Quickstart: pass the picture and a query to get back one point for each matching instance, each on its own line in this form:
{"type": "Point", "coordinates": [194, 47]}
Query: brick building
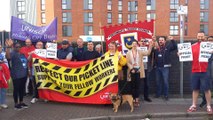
{"type": "Point", "coordinates": [84, 17]}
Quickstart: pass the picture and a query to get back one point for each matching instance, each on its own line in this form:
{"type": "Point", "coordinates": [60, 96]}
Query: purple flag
{"type": "Point", "coordinates": [22, 30]}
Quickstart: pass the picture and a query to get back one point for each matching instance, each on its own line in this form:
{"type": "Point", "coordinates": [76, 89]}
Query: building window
{"type": "Point", "coordinates": [42, 5]}
{"type": "Point", "coordinates": [174, 30]}
{"type": "Point", "coordinates": [150, 16]}
{"type": "Point", "coordinates": [120, 4]}
{"type": "Point", "coordinates": [120, 18]}
{"type": "Point", "coordinates": [150, 4]}
{"type": "Point", "coordinates": [88, 30]}
{"type": "Point", "coordinates": [43, 18]}
{"type": "Point", "coordinates": [174, 4]}
{"type": "Point", "coordinates": [88, 5]}
{"type": "Point", "coordinates": [204, 28]}
{"type": "Point", "coordinates": [20, 6]}
{"type": "Point", "coordinates": [67, 30]}
{"type": "Point", "coordinates": [133, 6]}
{"type": "Point", "coordinates": [66, 4]}
{"type": "Point", "coordinates": [21, 16]}
{"type": "Point", "coordinates": [204, 4]}
{"type": "Point", "coordinates": [132, 17]}
{"type": "Point", "coordinates": [173, 17]}
{"type": "Point", "coordinates": [88, 17]}
{"type": "Point", "coordinates": [109, 18]}
{"type": "Point", "coordinates": [109, 5]}
{"type": "Point", "coordinates": [204, 16]}
{"type": "Point", "coordinates": [186, 2]}
{"type": "Point", "coordinates": [66, 17]}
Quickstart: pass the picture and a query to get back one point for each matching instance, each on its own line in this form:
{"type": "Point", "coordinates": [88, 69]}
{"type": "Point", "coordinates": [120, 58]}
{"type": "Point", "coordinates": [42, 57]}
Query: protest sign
{"type": "Point", "coordinates": [205, 51]}
{"type": "Point", "coordinates": [51, 50]}
{"type": "Point", "coordinates": [185, 52]}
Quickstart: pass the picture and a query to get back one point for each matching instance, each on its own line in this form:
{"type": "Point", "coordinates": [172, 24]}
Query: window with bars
{"type": "Point", "coordinates": [43, 5]}
{"type": "Point", "coordinates": [109, 5]}
{"type": "Point", "coordinates": [66, 17]}
{"type": "Point", "coordinates": [109, 18]}
{"type": "Point", "coordinates": [88, 4]}
{"type": "Point", "coordinates": [133, 6]}
{"type": "Point", "coordinates": [173, 17]}
{"type": "Point", "coordinates": [88, 30]}
{"type": "Point", "coordinates": [132, 17]}
{"type": "Point", "coordinates": [150, 4]}
{"type": "Point", "coordinates": [43, 18]}
{"type": "Point", "coordinates": [88, 17]}
{"type": "Point", "coordinates": [204, 28]}
{"type": "Point", "coordinates": [21, 16]}
{"type": "Point", "coordinates": [67, 30]}
{"type": "Point", "coordinates": [174, 4]}
{"type": "Point", "coordinates": [66, 4]}
{"type": "Point", "coordinates": [174, 29]}
{"type": "Point", "coordinates": [204, 16]}
{"type": "Point", "coordinates": [120, 4]}
{"type": "Point", "coordinates": [120, 17]}
{"type": "Point", "coordinates": [204, 4]}
{"type": "Point", "coordinates": [21, 6]}
{"type": "Point", "coordinates": [150, 16]}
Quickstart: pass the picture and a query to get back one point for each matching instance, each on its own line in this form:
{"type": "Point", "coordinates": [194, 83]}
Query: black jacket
{"type": "Point", "coordinates": [162, 55]}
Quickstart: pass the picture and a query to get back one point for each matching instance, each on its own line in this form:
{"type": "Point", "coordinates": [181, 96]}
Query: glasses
{"type": "Point", "coordinates": [17, 46]}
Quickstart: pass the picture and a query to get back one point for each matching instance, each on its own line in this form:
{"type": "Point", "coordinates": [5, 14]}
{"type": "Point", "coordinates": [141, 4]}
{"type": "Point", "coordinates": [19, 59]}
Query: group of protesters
{"type": "Point", "coordinates": [131, 68]}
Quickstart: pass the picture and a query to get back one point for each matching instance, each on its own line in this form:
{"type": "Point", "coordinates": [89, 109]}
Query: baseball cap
{"type": "Point", "coordinates": [65, 42]}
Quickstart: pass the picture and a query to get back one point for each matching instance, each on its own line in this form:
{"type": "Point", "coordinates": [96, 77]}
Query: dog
{"type": "Point", "coordinates": [117, 100]}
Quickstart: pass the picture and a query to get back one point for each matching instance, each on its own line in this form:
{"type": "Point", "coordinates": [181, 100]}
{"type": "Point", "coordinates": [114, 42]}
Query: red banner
{"type": "Point", "coordinates": [142, 29]}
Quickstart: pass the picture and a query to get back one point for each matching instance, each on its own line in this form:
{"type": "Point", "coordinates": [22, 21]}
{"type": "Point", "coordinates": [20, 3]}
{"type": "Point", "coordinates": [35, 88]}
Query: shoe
{"type": "Point", "coordinates": [148, 99]}
{"type": "Point", "coordinates": [18, 107]}
{"type": "Point", "coordinates": [202, 104]}
{"type": "Point", "coordinates": [46, 100]}
{"type": "Point", "coordinates": [23, 105]}
{"type": "Point", "coordinates": [34, 100]}
{"type": "Point", "coordinates": [166, 98]}
{"type": "Point", "coordinates": [209, 110]}
{"type": "Point", "coordinates": [4, 106]}
{"type": "Point", "coordinates": [192, 109]}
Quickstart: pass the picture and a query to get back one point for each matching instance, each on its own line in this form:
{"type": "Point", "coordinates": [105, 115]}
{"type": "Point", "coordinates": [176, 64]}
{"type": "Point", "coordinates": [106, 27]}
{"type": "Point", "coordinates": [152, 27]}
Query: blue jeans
{"type": "Point", "coordinates": [2, 95]}
{"type": "Point", "coordinates": [162, 79]}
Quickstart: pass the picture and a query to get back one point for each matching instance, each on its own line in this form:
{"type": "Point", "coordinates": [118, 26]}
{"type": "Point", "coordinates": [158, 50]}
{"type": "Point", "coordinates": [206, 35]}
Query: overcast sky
{"type": "Point", "coordinates": [5, 15]}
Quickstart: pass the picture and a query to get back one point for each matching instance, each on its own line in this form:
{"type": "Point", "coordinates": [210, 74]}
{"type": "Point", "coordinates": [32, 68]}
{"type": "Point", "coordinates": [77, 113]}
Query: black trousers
{"type": "Point", "coordinates": [35, 87]}
{"type": "Point", "coordinates": [19, 89]}
{"type": "Point", "coordinates": [135, 81]}
{"type": "Point", "coordinates": [146, 84]}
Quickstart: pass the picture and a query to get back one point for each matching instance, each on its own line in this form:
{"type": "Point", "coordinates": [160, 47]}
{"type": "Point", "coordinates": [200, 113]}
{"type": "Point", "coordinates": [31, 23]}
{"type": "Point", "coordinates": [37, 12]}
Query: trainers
{"type": "Point", "coordinates": [34, 100]}
{"type": "Point", "coordinates": [166, 98]}
{"type": "Point", "coordinates": [192, 109]}
{"type": "Point", "coordinates": [18, 107]}
{"type": "Point", "coordinates": [4, 106]}
{"type": "Point", "coordinates": [209, 110]}
{"type": "Point", "coordinates": [23, 105]}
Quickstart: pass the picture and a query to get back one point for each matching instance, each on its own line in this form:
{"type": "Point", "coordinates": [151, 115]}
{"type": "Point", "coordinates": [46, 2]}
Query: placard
{"type": "Point", "coordinates": [51, 50]}
{"type": "Point", "coordinates": [185, 52]}
{"type": "Point", "coordinates": [205, 51]}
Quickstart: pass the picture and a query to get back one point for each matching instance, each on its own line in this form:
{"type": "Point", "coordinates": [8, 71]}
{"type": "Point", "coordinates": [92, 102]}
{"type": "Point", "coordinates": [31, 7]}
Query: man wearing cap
{"type": "Point", "coordinates": [64, 53]}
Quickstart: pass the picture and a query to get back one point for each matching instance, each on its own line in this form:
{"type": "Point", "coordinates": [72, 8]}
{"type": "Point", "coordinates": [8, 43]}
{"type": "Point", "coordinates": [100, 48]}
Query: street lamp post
{"type": "Point", "coordinates": [182, 10]}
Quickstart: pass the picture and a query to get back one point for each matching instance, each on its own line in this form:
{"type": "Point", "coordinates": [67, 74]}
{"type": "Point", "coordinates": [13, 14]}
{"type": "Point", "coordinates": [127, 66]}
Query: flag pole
{"type": "Point", "coordinates": [101, 38]}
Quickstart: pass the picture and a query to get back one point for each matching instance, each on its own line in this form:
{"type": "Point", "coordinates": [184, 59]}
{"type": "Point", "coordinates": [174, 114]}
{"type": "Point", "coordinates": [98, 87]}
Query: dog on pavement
{"type": "Point", "coordinates": [117, 100]}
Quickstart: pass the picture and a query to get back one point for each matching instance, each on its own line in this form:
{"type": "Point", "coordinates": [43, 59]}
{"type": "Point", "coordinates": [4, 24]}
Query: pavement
{"type": "Point", "coordinates": [159, 109]}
